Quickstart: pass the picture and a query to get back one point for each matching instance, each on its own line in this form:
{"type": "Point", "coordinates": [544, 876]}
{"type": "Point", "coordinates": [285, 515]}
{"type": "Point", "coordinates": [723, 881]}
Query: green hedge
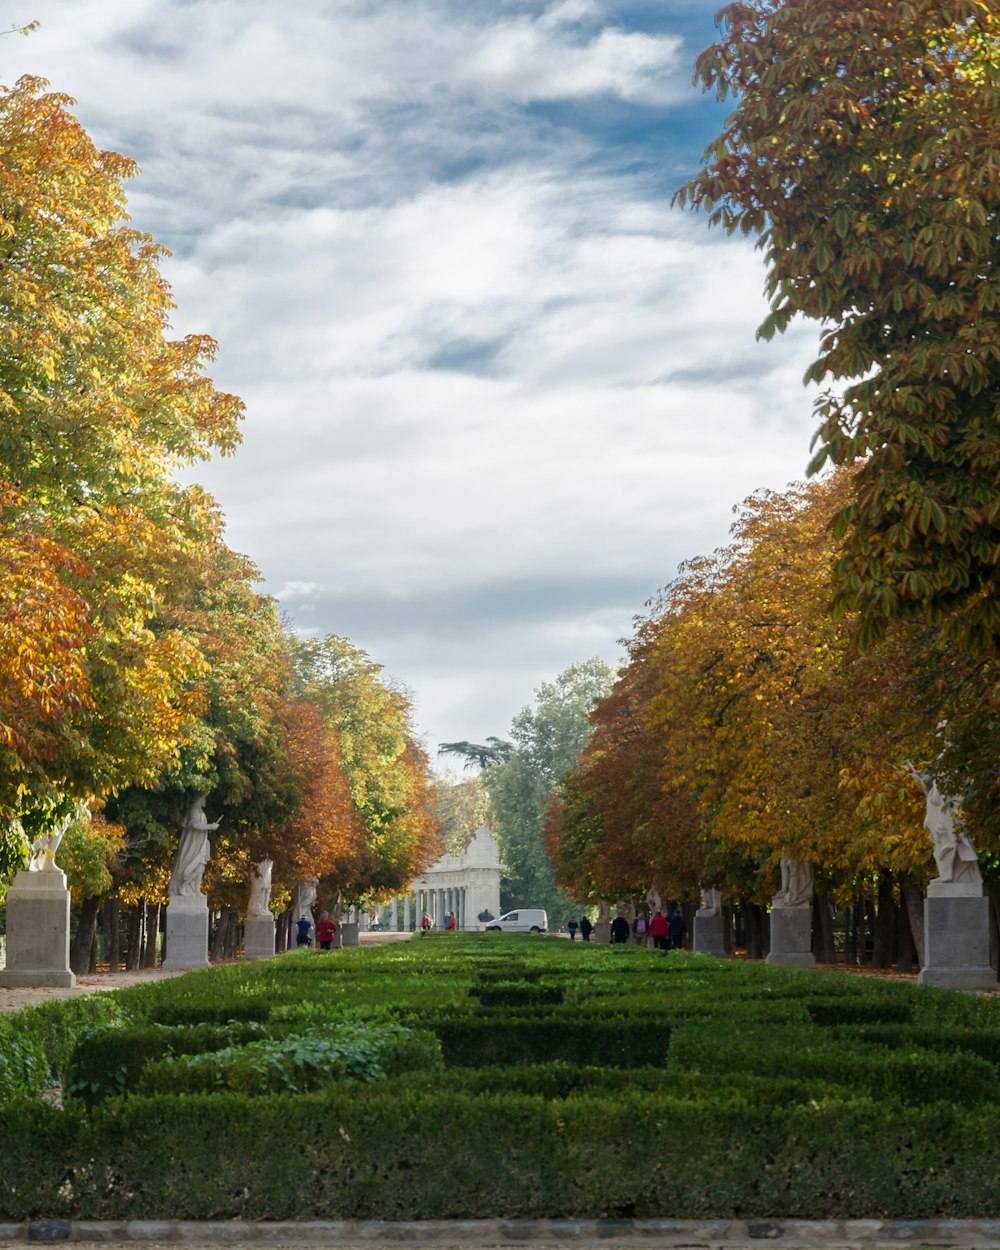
{"type": "Point", "coordinates": [404, 1155]}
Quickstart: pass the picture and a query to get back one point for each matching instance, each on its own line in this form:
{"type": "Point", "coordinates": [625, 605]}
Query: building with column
{"type": "Point", "coordinates": [468, 885]}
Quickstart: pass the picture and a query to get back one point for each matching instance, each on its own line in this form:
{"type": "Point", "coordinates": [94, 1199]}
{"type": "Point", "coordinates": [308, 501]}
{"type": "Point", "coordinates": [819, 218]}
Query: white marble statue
{"type": "Point", "coordinates": [193, 853]}
{"type": "Point", "coordinates": [954, 853]}
{"type": "Point", "coordinates": [260, 891]}
{"type": "Point", "coordinates": [796, 884]}
{"type": "Point", "coordinates": [711, 901]}
{"type": "Point", "coordinates": [305, 896]}
{"type": "Point", "coordinates": [44, 847]}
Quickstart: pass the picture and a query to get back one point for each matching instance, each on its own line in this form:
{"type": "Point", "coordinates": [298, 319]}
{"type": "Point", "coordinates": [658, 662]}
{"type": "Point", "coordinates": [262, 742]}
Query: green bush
{"type": "Point", "coordinates": [503, 1039]}
{"type": "Point", "coordinates": [297, 1064]}
{"type": "Point", "coordinates": [24, 1069]}
{"type": "Point", "coordinates": [107, 1063]}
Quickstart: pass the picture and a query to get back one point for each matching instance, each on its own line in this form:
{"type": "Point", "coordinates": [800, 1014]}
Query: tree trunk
{"type": "Point", "coordinates": [868, 924]}
{"type": "Point", "coordinates": [221, 935]}
{"type": "Point", "coordinates": [885, 918]}
{"type": "Point", "coordinates": [728, 936]}
{"type": "Point", "coordinates": [86, 935]}
{"type": "Point", "coordinates": [112, 910]}
{"type": "Point", "coordinates": [755, 931]}
{"type": "Point", "coordinates": [913, 898]}
{"type": "Point", "coordinates": [824, 947]}
{"type": "Point", "coordinates": [905, 953]}
{"type": "Point", "coordinates": [152, 933]}
{"type": "Point", "coordinates": [134, 951]}
{"type": "Point", "coordinates": [338, 941]}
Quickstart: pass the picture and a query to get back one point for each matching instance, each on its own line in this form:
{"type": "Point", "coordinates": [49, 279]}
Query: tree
{"type": "Point", "coordinates": [547, 739]}
{"type": "Point", "coordinates": [864, 151]}
{"type": "Point", "coordinates": [493, 751]}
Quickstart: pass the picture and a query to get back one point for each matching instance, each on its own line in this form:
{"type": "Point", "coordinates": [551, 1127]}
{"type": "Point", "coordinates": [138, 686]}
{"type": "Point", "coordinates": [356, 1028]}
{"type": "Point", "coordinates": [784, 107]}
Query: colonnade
{"type": "Point", "coordinates": [406, 913]}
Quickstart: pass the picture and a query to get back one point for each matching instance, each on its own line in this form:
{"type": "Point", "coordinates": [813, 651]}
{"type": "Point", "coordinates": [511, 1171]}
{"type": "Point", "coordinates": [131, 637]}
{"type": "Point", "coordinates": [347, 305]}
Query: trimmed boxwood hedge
{"type": "Point", "coordinates": [663, 1088]}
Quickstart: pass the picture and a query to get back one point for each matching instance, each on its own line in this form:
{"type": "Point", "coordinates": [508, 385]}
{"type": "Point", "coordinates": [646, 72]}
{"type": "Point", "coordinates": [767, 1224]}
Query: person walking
{"type": "Point", "coordinates": [659, 931]}
{"type": "Point", "coordinates": [677, 927]}
{"type": "Point", "coordinates": [303, 928]}
{"type": "Point", "coordinates": [571, 928]}
{"type": "Point", "coordinates": [619, 930]}
{"type": "Point", "coordinates": [586, 928]}
{"type": "Point", "coordinates": [452, 922]}
{"type": "Point", "coordinates": [326, 930]}
{"type": "Point", "coordinates": [640, 927]}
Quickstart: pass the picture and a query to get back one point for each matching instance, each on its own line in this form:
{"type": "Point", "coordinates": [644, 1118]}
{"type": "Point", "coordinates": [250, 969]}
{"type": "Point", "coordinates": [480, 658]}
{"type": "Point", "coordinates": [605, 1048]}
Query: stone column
{"type": "Point", "coordinates": [187, 932]}
{"type": "Point", "coordinates": [38, 930]}
{"type": "Point", "coordinates": [708, 936]}
{"type": "Point", "coordinates": [957, 937]}
{"type": "Point", "coordinates": [406, 914]}
{"type": "Point", "coordinates": [394, 915]}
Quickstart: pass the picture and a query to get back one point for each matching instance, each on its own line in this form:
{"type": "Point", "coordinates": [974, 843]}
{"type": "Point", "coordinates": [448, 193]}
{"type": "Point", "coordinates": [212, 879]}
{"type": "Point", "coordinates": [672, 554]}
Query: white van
{"type": "Point", "coordinates": [524, 920]}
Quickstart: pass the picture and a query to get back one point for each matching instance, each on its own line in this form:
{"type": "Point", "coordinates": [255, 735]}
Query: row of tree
{"type": "Point", "coordinates": [139, 663]}
{"type": "Point", "coordinates": [746, 725]}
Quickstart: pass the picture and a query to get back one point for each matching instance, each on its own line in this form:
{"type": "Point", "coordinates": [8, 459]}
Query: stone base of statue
{"type": "Point", "coordinates": [38, 931]}
{"type": "Point", "coordinates": [791, 937]}
{"type": "Point", "coordinates": [957, 938]}
{"type": "Point", "coordinates": [601, 935]}
{"type": "Point", "coordinates": [258, 937]}
{"type": "Point", "coordinates": [709, 934]}
{"type": "Point", "coordinates": [187, 932]}
{"type": "Point", "coordinates": [347, 932]}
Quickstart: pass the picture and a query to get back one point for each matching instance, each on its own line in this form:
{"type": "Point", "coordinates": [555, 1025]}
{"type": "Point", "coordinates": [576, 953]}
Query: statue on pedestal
{"type": "Point", "coordinates": [193, 853]}
{"type": "Point", "coordinates": [954, 853]}
{"type": "Point", "coordinates": [260, 891]}
{"type": "Point", "coordinates": [796, 884]}
{"type": "Point", "coordinates": [305, 896]}
{"type": "Point", "coordinates": [711, 901]}
{"type": "Point", "coordinates": [44, 847]}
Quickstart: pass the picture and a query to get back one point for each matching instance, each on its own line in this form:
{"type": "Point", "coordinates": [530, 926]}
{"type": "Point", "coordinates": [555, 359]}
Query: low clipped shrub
{"type": "Point", "coordinates": [842, 1009]}
{"type": "Point", "coordinates": [24, 1069]}
{"type": "Point", "coordinates": [109, 1062]}
{"type": "Point", "coordinates": [517, 994]}
{"type": "Point", "coordinates": [297, 1064]}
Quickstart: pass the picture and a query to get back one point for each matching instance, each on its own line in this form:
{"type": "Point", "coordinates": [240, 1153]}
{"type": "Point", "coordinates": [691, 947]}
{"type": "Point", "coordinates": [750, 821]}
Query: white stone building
{"type": "Point", "coordinates": [466, 884]}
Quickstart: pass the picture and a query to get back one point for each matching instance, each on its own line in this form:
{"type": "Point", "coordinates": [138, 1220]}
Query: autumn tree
{"type": "Point", "coordinates": [98, 406]}
{"type": "Point", "coordinates": [387, 772]}
{"type": "Point", "coordinates": [864, 152]}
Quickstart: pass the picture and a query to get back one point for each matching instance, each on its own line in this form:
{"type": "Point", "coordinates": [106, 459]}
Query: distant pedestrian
{"type": "Point", "coordinates": [452, 922]}
{"type": "Point", "coordinates": [326, 930]}
{"type": "Point", "coordinates": [571, 928]}
{"type": "Point", "coordinates": [303, 929]}
{"type": "Point", "coordinates": [677, 926]}
{"type": "Point", "coordinates": [659, 931]}
{"type": "Point", "coordinates": [619, 930]}
{"type": "Point", "coordinates": [425, 923]}
{"type": "Point", "coordinates": [639, 928]}
{"type": "Point", "coordinates": [586, 928]}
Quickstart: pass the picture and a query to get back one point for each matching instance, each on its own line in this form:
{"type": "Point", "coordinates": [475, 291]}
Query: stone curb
{"type": "Point", "coordinates": [571, 1234]}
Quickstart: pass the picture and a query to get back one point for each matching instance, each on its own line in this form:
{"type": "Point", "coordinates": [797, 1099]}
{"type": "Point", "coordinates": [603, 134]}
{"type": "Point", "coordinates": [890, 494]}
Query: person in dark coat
{"type": "Point", "coordinates": [619, 930]}
{"type": "Point", "coordinates": [678, 928]}
{"type": "Point", "coordinates": [586, 928]}
{"type": "Point", "coordinates": [571, 928]}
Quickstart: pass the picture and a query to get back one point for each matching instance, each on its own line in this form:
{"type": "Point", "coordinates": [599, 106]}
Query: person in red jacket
{"type": "Point", "coordinates": [325, 931]}
{"type": "Point", "coordinates": [659, 930]}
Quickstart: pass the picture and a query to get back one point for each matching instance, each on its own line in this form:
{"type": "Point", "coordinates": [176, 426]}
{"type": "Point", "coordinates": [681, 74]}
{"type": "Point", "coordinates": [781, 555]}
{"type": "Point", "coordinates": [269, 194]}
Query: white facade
{"type": "Point", "coordinates": [466, 884]}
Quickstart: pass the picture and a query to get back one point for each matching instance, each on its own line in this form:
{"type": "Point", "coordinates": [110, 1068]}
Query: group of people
{"type": "Point", "coordinates": [666, 932]}
{"type": "Point", "coordinates": [326, 931]}
{"type": "Point", "coordinates": [450, 922]}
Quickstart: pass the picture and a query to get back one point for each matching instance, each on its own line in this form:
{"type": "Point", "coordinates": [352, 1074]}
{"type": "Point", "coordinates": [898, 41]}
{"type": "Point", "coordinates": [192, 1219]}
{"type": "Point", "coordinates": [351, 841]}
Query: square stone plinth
{"type": "Point", "coordinates": [258, 937]}
{"type": "Point", "coordinates": [187, 933]}
{"type": "Point", "coordinates": [38, 931]}
{"type": "Point", "coordinates": [791, 937]}
{"type": "Point", "coordinates": [957, 939]}
{"type": "Point", "coordinates": [709, 934]}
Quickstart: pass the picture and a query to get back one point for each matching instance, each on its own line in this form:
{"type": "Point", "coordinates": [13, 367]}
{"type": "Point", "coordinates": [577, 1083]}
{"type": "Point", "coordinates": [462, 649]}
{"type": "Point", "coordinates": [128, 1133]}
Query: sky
{"type": "Point", "coordinates": [497, 389]}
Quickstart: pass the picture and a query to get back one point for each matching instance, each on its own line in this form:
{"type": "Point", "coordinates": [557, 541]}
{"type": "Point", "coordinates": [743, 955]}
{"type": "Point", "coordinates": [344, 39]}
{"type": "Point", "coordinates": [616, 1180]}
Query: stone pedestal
{"type": "Point", "coordinates": [709, 933]}
{"type": "Point", "coordinates": [347, 932]}
{"type": "Point", "coordinates": [187, 932]}
{"type": "Point", "coordinates": [601, 935]}
{"type": "Point", "coordinates": [957, 939]}
{"type": "Point", "coordinates": [258, 937]}
{"type": "Point", "coordinates": [791, 937]}
{"type": "Point", "coordinates": [38, 930]}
